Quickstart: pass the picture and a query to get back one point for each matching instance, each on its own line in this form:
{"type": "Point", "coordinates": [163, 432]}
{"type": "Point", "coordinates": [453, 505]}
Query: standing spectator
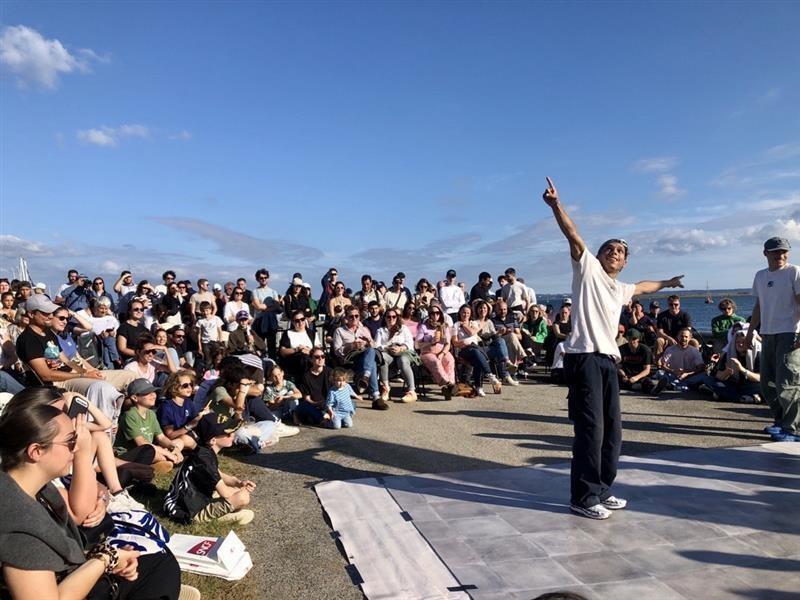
{"type": "Point", "coordinates": [167, 277]}
{"type": "Point", "coordinates": [219, 299]}
{"type": "Point", "coordinates": [235, 305]}
{"type": "Point", "coordinates": [124, 285]}
{"type": "Point", "coordinates": [98, 290]}
{"type": "Point", "coordinates": [247, 295]}
{"type": "Point", "coordinates": [515, 293]}
{"type": "Point", "coordinates": [267, 305]}
{"type": "Point", "coordinates": [202, 295]}
{"type": "Point", "coordinates": [483, 289]}
{"type": "Point", "coordinates": [208, 328]}
{"type": "Point", "coordinates": [776, 315]}
{"type": "Point", "coordinates": [366, 294]}
{"type": "Point", "coordinates": [451, 295]}
{"type": "Point", "coordinates": [670, 323]}
{"type": "Point", "coordinates": [72, 277]}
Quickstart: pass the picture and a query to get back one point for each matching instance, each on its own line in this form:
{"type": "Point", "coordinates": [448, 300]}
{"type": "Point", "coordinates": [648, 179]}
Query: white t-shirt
{"type": "Point", "coordinates": [776, 291]}
{"type": "Point", "coordinates": [299, 338]}
{"type": "Point", "coordinates": [452, 298]}
{"type": "Point", "coordinates": [99, 324]}
{"type": "Point", "coordinates": [209, 329]}
{"type": "Point", "coordinates": [596, 302]}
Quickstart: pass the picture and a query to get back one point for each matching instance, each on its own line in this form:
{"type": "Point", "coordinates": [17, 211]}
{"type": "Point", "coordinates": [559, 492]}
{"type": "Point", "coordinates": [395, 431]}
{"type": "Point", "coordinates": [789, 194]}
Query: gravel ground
{"type": "Point", "coordinates": [290, 541]}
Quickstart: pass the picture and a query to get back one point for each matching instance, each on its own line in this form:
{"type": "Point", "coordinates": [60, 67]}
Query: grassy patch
{"type": "Point", "coordinates": [212, 588]}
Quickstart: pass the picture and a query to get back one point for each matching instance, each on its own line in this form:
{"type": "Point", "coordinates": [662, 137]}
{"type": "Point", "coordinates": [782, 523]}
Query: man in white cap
{"type": "Point", "coordinates": [590, 363]}
{"type": "Point", "coordinates": [776, 316]}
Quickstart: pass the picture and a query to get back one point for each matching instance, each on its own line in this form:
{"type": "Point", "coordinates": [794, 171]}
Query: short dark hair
{"type": "Point", "coordinates": [484, 275]}
{"type": "Point", "coordinates": [366, 278]}
{"type": "Point", "coordinates": [205, 304]}
{"type": "Point", "coordinates": [511, 271]}
{"type": "Point", "coordinates": [166, 274]}
{"type": "Point", "coordinates": [673, 298]}
{"type": "Point", "coordinates": [260, 273]}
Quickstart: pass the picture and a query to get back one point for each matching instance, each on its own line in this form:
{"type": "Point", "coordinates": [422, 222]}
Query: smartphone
{"type": "Point", "coordinates": [79, 406]}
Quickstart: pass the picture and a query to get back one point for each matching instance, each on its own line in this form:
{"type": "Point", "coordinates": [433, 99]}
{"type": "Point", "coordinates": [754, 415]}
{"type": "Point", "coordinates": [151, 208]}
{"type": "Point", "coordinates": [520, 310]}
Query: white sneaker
{"type": "Point", "coordinates": [598, 511]}
{"type": "Point", "coordinates": [284, 430]}
{"type": "Point", "coordinates": [510, 380]}
{"type": "Point", "coordinates": [614, 503]}
{"type": "Point", "coordinates": [123, 501]}
{"type": "Point", "coordinates": [480, 392]}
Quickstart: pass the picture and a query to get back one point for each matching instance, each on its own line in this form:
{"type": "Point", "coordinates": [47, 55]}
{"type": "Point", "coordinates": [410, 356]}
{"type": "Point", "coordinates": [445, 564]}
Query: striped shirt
{"type": "Point", "coordinates": [340, 400]}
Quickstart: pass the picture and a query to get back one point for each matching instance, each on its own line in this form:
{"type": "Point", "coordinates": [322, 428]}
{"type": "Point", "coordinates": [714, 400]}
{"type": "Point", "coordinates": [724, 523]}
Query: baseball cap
{"type": "Point", "coordinates": [451, 273]}
{"type": "Point", "coordinates": [634, 334]}
{"type": "Point", "coordinates": [297, 281]}
{"type": "Point", "coordinates": [214, 425]}
{"type": "Point", "coordinates": [140, 386]}
{"type": "Point", "coordinates": [307, 285]}
{"type": "Point", "coordinates": [655, 304]}
{"type": "Point", "coordinates": [41, 303]}
{"type": "Point", "coordinates": [777, 243]}
{"type": "Point", "coordinates": [242, 315]}
{"type": "Point", "coordinates": [216, 286]}
{"type": "Point", "coordinates": [567, 302]}
{"type": "Point", "coordinates": [40, 286]}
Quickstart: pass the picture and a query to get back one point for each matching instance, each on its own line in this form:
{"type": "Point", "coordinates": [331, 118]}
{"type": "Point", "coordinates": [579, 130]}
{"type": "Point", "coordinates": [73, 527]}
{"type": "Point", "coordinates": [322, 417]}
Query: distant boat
{"type": "Point", "coordinates": [709, 299]}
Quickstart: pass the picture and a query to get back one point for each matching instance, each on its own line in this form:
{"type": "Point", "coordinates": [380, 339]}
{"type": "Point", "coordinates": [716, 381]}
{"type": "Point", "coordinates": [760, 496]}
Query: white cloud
{"type": "Point", "coordinates": [181, 135]}
{"type": "Point", "coordinates": [37, 60]}
{"type": "Point", "coordinates": [111, 136]}
{"type": "Point", "coordinates": [668, 186]}
{"type": "Point", "coordinates": [655, 165]}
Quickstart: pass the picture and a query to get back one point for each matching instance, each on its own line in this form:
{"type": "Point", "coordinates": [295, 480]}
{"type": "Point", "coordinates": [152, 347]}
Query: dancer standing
{"type": "Point", "coordinates": [590, 363]}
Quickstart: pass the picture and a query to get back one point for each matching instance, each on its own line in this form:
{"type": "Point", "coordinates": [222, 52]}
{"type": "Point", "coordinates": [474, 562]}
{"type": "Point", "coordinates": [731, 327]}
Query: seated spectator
{"type": "Point", "coordinates": [336, 306]}
{"type": "Point", "coordinates": [507, 326]}
{"type": "Point", "coordinates": [295, 346]}
{"type": "Point", "coordinates": [466, 340]}
{"type": "Point", "coordinates": [367, 294]}
{"type": "Point", "coordinates": [644, 323]}
{"type": "Point", "coordinates": [7, 311]}
{"type": "Point", "coordinates": [737, 372]}
{"type": "Point", "coordinates": [669, 325]}
{"type": "Point", "coordinates": [244, 339]}
{"type": "Point", "coordinates": [721, 324]}
{"type": "Point", "coordinates": [339, 403]}
{"type": "Point", "coordinates": [397, 296]}
{"type": "Point", "coordinates": [200, 491]}
{"type": "Point", "coordinates": [483, 289]}
{"type": "Point", "coordinates": [353, 344]}
{"type": "Point", "coordinates": [231, 397]}
{"type": "Point", "coordinates": [139, 428]}
{"type": "Point", "coordinates": [495, 344]}
{"type": "Point", "coordinates": [395, 345]}
{"type": "Point", "coordinates": [374, 318]}
{"type": "Point", "coordinates": [208, 327]}
{"type": "Point", "coordinates": [681, 365]}
{"type": "Point", "coordinates": [282, 396]}
{"type": "Point", "coordinates": [39, 444]}
{"type": "Point", "coordinates": [129, 331]}
{"type": "Point", "coordinates": [177, 414]}
{"type": "Point", "coordinates": [424, 294]}
{"type": "Point", "coordinates": [534, 333]}
{"type": "Point", "coordinates": [144, 366]}
{"type": "Point", "coordinates": [104, 326]}
{"type": "Point", "coordinates": [447, 320]}
{"type": "Point", "coordinates": [314, 386]}
{"type": "Point", "coordinates": [433, 340]}
{"type": "Point", "coordinates": [234, 306]}
{"type": "Point", "coordinates": [176, 347]}
{"type": "Point", "coordinates": [411, 317]}
{"type": "Point", "coordinates": [635, 366]}
{"type": "Point", "coordinates": [559, 330]}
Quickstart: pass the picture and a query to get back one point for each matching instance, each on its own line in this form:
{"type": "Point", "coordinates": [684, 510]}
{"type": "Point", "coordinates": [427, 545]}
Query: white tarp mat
{"type": "Point", "coordinates": [393, 559]}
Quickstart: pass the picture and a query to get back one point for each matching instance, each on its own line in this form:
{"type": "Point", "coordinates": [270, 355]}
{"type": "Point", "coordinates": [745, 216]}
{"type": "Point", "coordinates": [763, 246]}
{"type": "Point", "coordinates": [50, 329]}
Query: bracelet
{"type": "Point", "coordinates": [105, 553]}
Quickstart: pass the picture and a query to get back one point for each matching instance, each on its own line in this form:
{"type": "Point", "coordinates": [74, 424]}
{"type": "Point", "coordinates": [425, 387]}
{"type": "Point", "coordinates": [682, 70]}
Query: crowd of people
{"type": "Point", "coordinates": [110, 387]}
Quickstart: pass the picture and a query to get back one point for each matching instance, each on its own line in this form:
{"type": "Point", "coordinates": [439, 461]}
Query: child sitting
{"type": "Point", "coordinates": [282, 396]}
{"type": "Point", "coordinates": [200, 492]}
{"type": "Point", "coordinates": [340, 401]}
{"type": "Point", "coordinates": [140, 434]}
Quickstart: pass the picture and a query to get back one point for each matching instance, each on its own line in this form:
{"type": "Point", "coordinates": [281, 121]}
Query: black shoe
{"type": "Point", "coordinates": [380, 404]}
{"type": "Point", "coordinates": [660, 387]}
{"type": "Point", "coordinates": [447, 392]}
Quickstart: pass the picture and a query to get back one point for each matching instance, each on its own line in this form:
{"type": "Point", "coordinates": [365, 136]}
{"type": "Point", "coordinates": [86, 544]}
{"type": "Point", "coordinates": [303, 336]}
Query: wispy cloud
{"type": "Point", "coordinates": [36, 60]}
{"type": "Point", "coordinates": [771, 166]}
{"type": "Point", "coordinates": [667, 182]}
{"type": "Point", "coordinates": [112, 136]}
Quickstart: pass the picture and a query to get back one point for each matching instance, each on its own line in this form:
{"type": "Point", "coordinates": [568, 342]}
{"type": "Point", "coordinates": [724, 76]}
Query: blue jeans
{"type": "Point", "coordinates": [693, 381]}
{"type": "Point", "coordinates": [108, 348]}
{"type": "Point", "coordinates": [498, 354]}
{"type": "Point", "coordinates": [364, 362]}
{"type": "Point", "coordinates": [9, 384]}
{"type": "Point", "coordinates": [286, 409]}
{"type": "Point", "coordinates": [339, 420]}
{"type": "Point", "coordinates": [309, 414]}
{"type": "Point", "coordinates": [476, 357]}
{"type": "Point", "coordinates": [731, 392]}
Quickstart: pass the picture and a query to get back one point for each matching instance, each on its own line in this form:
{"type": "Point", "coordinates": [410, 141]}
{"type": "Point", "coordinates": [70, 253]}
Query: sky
{"type": "Point", "coordinates": [214, 138]}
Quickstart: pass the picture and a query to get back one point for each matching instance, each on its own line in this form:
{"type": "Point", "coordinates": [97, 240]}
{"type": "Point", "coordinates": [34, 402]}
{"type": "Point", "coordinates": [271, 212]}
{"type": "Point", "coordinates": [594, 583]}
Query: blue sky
{"type": "Point", "coordinates": [215, 138]}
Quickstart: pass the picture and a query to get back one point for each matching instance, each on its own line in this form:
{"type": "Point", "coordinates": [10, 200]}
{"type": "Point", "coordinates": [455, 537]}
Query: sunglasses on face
{"type": "Point", "coordinates": [185, 386]}
{"type": "Point", "coordinates": [675, 304]}
{"type": "Point", "coordinates": [138, 309]}
{"type": "Point", "coordinates": [297, 320]}
{"type": "Point", "coordinates": [238, 293]}
{"type": "Point", "coordinates": [353, 316]}
{"type": "Point", "coordinates": [390, 317]}
{"type": "Point", "coordinates": [62, 318]}
{"type": "Point", "coordinates": [70, 443]}
{"type": "Point", "coordinates": [318, 356]}
{"type": "Point", "coordinates": [151, 351]}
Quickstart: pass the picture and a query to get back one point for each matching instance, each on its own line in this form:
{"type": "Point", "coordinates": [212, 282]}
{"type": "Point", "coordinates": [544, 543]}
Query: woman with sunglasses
{"type": "Point", "coordinates": [395, 345]}
{"type": "Point", "coordinates": [98, 290]}
{"type": "Point", "coordinates": [144, 366]}
{"type": "Point", "coordinates": [411, 317]}
{"type": "Point", "coordinates": [233, 307]}
{"type": "Point", "coordinates": [130, 329]}
{"type": "Point", "coordinates": [424, 293]}
{"type": "Point", "coordinates": [337, 303]}
{"type": "Point", "coordinates": [177, 414]}
{"type": "Point", "coordinates": [466, 339]}
{"type": "Point", "coordinates": [433, 339]}
{"type": "Point", "coordinates": [295, 347]}
{"type": "Point", "coordinates": [44, 555]}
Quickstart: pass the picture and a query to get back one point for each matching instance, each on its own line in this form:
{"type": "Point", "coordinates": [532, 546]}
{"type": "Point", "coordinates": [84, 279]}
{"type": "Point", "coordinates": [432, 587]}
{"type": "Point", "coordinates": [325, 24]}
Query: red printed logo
{"type": "Point", "coordinates": [202, 548]}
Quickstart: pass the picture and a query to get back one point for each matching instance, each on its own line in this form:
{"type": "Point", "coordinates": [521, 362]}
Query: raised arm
{"type": "Point", "coordinates": [650, 287]}
{"type": "Point", "coordinates": [567, 226]}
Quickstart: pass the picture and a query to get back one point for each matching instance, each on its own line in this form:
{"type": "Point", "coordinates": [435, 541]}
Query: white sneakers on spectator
{"type": "Point", "coordinates": [510, 380]}
{"type": "Point", "coordinates": [479, 392]}
{"type": "Point", "coordinates": [122, 501]}
{"type": "Point", "coordinates": [614, 503]}
{"type": "Point", "coordinates": [284, 430]}
{"type": "Point", "coordinates": [598, 511]}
